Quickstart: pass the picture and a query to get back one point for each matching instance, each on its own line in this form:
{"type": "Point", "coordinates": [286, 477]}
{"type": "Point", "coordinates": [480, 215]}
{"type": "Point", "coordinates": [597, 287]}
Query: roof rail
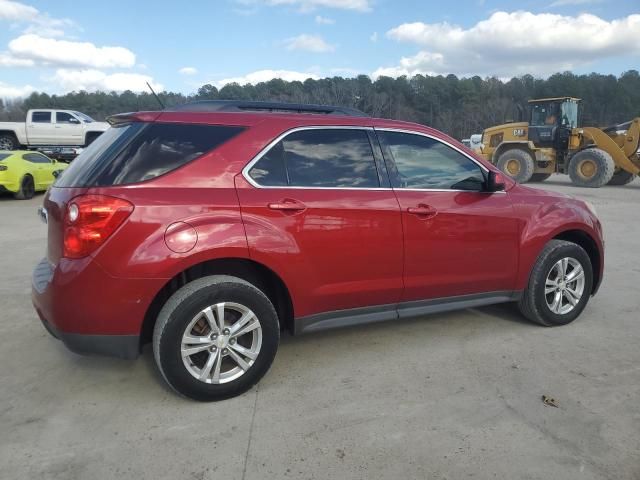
{"type": "Point", "coordinates": [251, 106]}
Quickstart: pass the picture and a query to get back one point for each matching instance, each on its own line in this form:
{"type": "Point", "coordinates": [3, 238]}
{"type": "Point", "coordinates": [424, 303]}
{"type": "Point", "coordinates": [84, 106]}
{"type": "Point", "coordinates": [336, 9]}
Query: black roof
{"type": "Point", "coordinates": [251, 106]}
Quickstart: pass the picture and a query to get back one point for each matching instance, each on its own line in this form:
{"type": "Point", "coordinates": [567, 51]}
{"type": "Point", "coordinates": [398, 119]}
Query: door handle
{"type": "Point", "coordinates": [422, 210]}
{"type": "Point", "coordinates": [288, 205]}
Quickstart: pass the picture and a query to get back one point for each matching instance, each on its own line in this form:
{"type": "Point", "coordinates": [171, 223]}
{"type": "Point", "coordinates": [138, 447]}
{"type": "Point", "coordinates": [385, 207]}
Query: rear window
{"type": "Point", "coordinates": [4, 155]}
{"type": "Point", "coordinates": [137, 152]}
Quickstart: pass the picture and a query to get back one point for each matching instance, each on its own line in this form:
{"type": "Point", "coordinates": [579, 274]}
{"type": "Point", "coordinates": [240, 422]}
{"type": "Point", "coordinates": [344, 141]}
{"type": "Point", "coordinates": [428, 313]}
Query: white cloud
{"type": "Point", "coordinates": [16, 11]}
{"type": "Point", "coordinates": [10, 91]}
{"type": "Point", "coordinates": [50, 51]}
{"type": "Point", "coordinates": [320, 20]}
{"type": "Point", "coordinates": [266, 75]}
{"type": "Point", "coordinates": [92, 80]}
{"type": "Point", "coordinates": [188, 71]}
{"type": "Point", "coordinates": [40, 23]}
{"type": "Point", "coordinates": [308, 43]}
{"type": "Point", "coordinates": [515, 43]}
{"type": "Point", "coordinates": [312, 5]}
{"type": "Point", "coordinates": [7, 60]}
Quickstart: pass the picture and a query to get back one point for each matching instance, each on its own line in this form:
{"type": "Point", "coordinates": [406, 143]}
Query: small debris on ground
{"type": "Point", "coordinates": [550, 401]}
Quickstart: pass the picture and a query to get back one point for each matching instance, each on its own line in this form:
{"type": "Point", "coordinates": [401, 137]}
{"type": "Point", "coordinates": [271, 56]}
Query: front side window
{"type": "Point", "coordinates": [64, 117]}
{"type": "Point", "coordinates": [425, 163]}
{"type": "Point", "coordinates": [41, 117]}
{"type": "Point", "coordinates": [319, 158]}
{"type": "Point", "coordinates": [36, 158]}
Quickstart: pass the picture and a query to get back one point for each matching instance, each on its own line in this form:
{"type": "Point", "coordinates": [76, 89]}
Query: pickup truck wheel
{"type": "Point", "coordinates": [517, 164]}
{"type": "Point", "coordinates": [215, 338]}
{"type": "Point", "coordinates": [559, 286]}
{"type": "Point", "coordinates": [8, 142]}
{"type": "Point", "coordinates": [27, 189]}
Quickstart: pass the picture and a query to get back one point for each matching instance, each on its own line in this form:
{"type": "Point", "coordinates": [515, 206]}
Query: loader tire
{"type": "Point", "coordinates": [591, 168]}
{"type": "Point", "coordinates": [517, 164]}
{"type": "Point", "coordinates": [539, 177]}
{"type": "Point", "coordinates": [621, 177]}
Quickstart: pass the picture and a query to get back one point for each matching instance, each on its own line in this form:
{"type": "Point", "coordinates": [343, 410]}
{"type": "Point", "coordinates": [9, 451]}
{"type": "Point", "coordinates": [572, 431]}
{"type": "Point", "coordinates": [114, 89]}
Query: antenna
{"type": "Point", "coordinates": [155, 95]}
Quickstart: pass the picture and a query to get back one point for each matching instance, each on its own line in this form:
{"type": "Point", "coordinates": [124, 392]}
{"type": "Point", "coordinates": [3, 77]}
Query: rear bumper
{"type": "Point", "coordinates": [89, 310]}
{"type": "Point", "coordinates": [120, 346]}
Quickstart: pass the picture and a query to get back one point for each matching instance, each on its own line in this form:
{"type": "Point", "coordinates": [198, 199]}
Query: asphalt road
{"type": "Point", "coordinates": [454, 395]}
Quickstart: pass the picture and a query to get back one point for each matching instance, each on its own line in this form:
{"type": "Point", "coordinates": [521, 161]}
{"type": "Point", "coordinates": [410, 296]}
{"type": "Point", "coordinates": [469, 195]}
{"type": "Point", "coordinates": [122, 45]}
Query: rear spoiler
{"type": "Point", "coordinates": [122, 118]}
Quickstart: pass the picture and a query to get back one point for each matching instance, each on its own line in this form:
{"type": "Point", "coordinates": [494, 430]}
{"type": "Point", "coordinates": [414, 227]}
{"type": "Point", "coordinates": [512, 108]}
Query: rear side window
{"type": "Point", "coordinates": [319, 158]}
{"type": "Point", "coordinates": [138, 152]}
{"type": "Point", "coordinates": [41, 117]}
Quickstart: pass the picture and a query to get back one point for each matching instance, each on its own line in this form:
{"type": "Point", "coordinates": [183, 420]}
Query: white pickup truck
{"type": "Point", "coordinates": [46, 127]}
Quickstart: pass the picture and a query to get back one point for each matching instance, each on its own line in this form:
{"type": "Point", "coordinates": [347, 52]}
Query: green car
{"type": "Point", "coordinates": [24, 172]}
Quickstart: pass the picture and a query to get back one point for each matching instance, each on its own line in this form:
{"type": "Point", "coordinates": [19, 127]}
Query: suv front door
{"type": "Point", "coordinates": [458, 239]}
{"type": "Point", "coordinates": [315, 209]}
{"type": "Point", "coordinates": [68, 129]}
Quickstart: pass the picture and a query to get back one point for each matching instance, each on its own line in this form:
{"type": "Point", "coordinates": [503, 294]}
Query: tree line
{"type": "Point", "coordinates": [457, 106]}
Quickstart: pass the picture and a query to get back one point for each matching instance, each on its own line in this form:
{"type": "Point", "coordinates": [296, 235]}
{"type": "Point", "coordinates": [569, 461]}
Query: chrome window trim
{"type": "Point", "coordinates": [270, 145]}
{"type": "Point", "coordinates": [273, 143]}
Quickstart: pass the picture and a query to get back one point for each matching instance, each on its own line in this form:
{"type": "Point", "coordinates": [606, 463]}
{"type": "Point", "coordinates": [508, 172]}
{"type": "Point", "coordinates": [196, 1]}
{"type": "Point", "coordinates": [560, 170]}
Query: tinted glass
{"type": "Point", "coordinates": [36, 158]}
{"type": "Point", "coordinates": [63, 117]}
{"type": "Point", "coordinates": [41, 117]}
{"type": "Point", "coordinates": [4, 155]}
{"type": "Point", "coordinates": [138, 152]}
{"type": "Point", "coordinates": [319, 158]}
{"type": "Point", "coordinates": [425, 163]}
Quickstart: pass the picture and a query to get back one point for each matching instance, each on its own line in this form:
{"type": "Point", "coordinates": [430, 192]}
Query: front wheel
{"type": "Point", "coordinates": [517, 164]}
{"type": "Point", "coordinates": [559, 286]}
{"type": "Point", "coordinates": [215, 338]}
{"type": "Point", "coordinates": [591, 168]}
{"type": "Point", "coordinates": [8, 142]}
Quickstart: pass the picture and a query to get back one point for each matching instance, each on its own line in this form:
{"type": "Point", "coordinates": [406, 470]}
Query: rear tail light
{"type": "Point", "coordinates": [90, 220]}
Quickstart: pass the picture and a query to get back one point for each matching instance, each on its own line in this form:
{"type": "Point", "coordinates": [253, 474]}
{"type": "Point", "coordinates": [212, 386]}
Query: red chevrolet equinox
{"type": "Point", "coordinates": [210, 228]}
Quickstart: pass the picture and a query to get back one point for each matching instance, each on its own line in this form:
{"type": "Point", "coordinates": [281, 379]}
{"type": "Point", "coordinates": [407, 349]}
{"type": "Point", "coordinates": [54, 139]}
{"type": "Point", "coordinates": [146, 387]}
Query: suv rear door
{"type": "Point", "coordinates": [458, 239]}
{"type": "Point", "coordinates": [317, 207]}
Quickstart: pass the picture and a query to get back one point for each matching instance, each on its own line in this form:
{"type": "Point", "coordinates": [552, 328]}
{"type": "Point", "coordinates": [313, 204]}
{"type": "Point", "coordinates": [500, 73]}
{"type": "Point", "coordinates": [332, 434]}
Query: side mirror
{"type": "Point", "coordinates": [495, 182]}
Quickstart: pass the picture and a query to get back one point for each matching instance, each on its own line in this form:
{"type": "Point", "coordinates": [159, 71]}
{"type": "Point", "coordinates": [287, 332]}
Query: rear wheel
{"type": "Point", "coordinates": [27, 189]}
{"type": "Point", "coordinates": [8, 142]}
{"type": "Point", "coordinates": [539, 177]}
{"type": "Point", "coordinates": [621, 177]}
{"type": "Point", "coordinates": [517, 164]}
{"type": "Point", "coordinates": [559, 286]}
{"type": "Point", "coordinates": [215, 338]}
{"type": "Point", "coordinates": [591, 168]}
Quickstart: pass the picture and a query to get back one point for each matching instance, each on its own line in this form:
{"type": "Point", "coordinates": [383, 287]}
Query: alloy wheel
{"type": "Point", "coordinates": [221, 343]}
{"type": "Point", "coordinates": [564, 285]}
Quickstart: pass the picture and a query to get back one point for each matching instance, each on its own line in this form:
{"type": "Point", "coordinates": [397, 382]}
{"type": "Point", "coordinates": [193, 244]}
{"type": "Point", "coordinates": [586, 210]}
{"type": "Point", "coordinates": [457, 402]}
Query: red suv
{"type": "Point", "coordinates": [210, 228]}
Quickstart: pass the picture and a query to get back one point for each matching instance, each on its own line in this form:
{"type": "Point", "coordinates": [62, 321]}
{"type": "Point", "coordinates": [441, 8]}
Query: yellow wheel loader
{"type": "Point", "coordinates": [553, 142]}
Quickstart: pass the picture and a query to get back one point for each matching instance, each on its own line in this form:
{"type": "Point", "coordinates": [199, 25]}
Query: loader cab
{"type": "Point", "coordinates": [551, 121]}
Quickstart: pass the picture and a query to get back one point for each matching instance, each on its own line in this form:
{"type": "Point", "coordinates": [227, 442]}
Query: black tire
{"type": "Point", "coordinates": [8, 141]}
{"type": "Point", "coordinates": [621, 177]}
{"type": "Point", "coordinates": [539, 177]}
{"type": "Point", "coordinates": [183, 307]}
{"type": "Point", "coordinates": [591, 168]}
{"type": "Point", "coordinates": [533, 303]}
{"type": "Point", "coordinates": [27, 189]}
{"type": "Point", "coordinates": [517, 164]}
{"type": "Point", "coordinates": [90, 138]}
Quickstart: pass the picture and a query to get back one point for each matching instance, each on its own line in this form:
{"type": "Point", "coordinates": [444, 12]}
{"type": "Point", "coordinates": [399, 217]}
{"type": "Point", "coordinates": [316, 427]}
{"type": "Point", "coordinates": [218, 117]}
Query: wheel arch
{"type": "Point", "coordinates": [504, 146]}
{"type": "Point", "coordinates": [13, 134]}
{"type": "Point", "coordinates": [589, 245]}
{"type": "Point", "coordinates": [253, 272]}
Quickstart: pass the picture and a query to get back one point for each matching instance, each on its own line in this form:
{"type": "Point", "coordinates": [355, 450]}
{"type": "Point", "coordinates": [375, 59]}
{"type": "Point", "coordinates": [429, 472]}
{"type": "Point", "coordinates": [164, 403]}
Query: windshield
{"type": "Point", "coordinates": [544, 114]}
{"type": "Point", "coordinates": [569, 116]}
{"type": "Point", "coordinates": [83, 117]}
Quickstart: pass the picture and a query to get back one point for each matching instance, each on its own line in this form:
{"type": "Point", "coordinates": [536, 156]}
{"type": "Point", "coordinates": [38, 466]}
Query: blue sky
{"type": "Point", "coordinates": [68, 45]}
